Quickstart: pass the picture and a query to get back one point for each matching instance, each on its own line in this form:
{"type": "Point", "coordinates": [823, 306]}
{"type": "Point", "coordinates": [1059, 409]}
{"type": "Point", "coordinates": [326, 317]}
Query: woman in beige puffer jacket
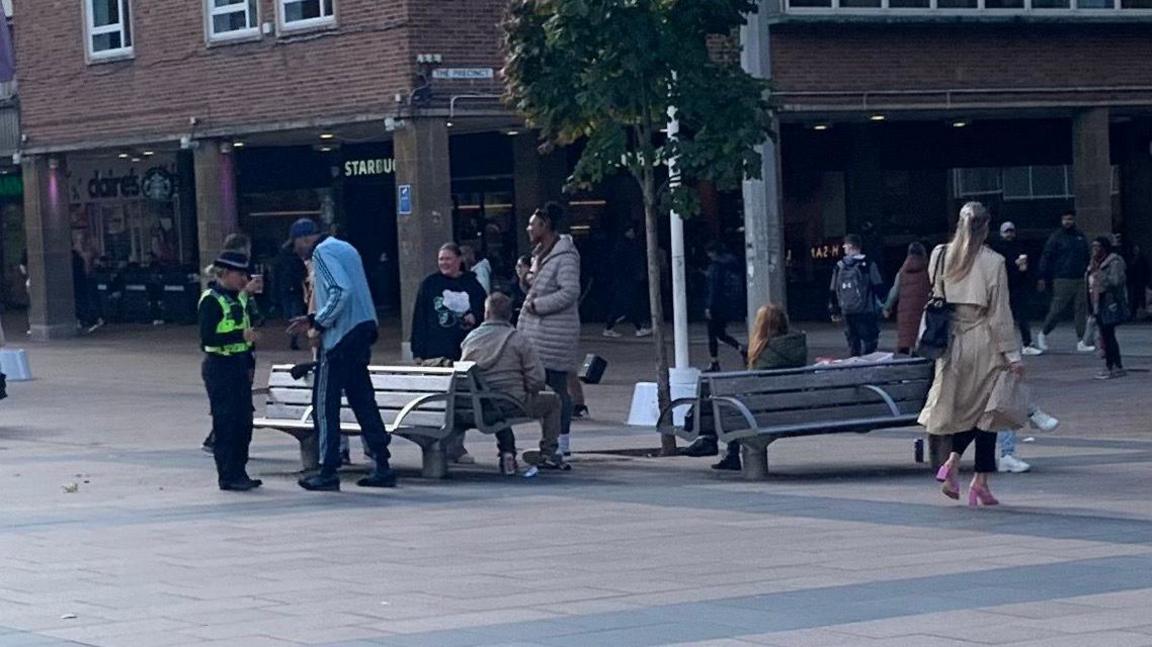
{"type": "Point", "coordinates": [550, 317]}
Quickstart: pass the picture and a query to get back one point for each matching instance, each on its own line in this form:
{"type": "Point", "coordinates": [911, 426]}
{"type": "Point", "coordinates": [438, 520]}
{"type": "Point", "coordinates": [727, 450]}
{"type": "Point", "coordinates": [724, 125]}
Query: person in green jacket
{"type": "Point", "coordinates": [772, 345]}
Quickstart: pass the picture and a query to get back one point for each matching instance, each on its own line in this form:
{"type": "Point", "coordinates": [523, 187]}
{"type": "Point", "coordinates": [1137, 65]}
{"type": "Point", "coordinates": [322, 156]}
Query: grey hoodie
{"type": "Point", "coordinates": [506, 359]}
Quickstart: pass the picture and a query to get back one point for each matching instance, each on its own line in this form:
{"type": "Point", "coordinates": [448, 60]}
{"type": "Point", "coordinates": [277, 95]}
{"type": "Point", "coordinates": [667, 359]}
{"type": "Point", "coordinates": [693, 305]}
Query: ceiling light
{"type": "Point", "coordinates": [449, 124]}
{"type": "Point", "coordinates": [238, 144]}
{"type": "Point", "coordinates": [820, 127]}
{"type": "Point", "coordinates": [327, 136]}
{"type": "Point", "coordinates": [877, 117]}
{"type": "Point", "coordinates": [123, 156]}
{"type": "Point", "coordinates": [513, 133]}
{"type": "Point", "coordinates": [959, 123]}
{"type": "Point", "coordinates": [325, 149]}
{"type": "Point", "coordinates": [149, 153]}
{"type": "Point", "coordinates": [135, 159]}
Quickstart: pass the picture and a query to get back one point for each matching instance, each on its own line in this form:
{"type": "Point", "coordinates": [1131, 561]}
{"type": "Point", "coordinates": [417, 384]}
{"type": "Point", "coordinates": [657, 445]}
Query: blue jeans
{"type": "Point", "coordinates": [1007, 443]}
{"type": "Point", "coordinates": [558, 382]}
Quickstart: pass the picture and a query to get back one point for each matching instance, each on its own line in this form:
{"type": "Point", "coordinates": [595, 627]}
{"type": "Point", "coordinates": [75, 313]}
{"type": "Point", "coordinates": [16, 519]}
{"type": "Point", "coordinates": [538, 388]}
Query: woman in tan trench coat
{"type": "Point", "coordinates": [983, 346]}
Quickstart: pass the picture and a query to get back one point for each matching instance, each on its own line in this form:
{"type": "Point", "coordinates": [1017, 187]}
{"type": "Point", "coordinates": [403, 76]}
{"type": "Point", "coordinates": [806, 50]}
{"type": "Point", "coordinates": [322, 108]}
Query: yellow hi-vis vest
{"type": "Point", "coordinates": [228, 324]}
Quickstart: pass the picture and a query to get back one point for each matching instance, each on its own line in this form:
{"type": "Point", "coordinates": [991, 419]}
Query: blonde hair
{"type": "Point", "coordinates": [771, 321]}
{"type": "Point", "coordinates": [971, 234]}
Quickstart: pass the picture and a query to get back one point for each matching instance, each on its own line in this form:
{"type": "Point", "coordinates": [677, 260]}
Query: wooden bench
{"type": "Point", "coordinates": [427, 406]}
{"type": "Point", "coordinates": [757, 408]}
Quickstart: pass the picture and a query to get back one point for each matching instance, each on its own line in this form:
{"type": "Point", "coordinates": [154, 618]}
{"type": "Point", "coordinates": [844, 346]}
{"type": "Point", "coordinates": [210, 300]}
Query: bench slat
{"type": "Point", "coordinates": [414, 419]}
{"type": "Point", "coordinates": [877, 415]}
{"type": "Point", "coordinates": [384, 399]}
{"type": "Point", "coordinates": [817, 399]}
{"type": "Point", "coordinates": [739, 385]}
{"type": "Point", "coordinates": [380, 382]}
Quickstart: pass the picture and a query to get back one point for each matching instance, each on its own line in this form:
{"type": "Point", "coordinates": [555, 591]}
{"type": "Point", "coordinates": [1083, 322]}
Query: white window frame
{"type": "Point", "coordinates": [1069, 188]}
{"type": "Point", "coordinates": [211, 11]}
{"type": "Point", "coordinates": [124, 27]}
{"type": "Point", "coordinates": [1074, 9]}
{"type": "Point", "coordinates": [306, 24]}
{"type": "Point", "coordinates": [963, 191]}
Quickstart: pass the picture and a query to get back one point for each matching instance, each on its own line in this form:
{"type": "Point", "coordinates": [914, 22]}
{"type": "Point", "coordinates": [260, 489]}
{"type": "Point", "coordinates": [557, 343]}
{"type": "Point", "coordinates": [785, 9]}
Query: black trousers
{"type": "Point", "coordinates": [985, 448]}
{"type": "Point", "coordinates": [344, 371]}
{"type": "Point", "coordinates": [629, 302]}
{"type": "Point", "coordinates": [230, 397]}
{"type": "Point", "coordinates": [718, 332]}
{"type": "Point", "coordinates": [863, 333]}
{"type": "Point", "coordinates": [1020, 315]}
{"type": "Point", "coordinates": [1111, 346]}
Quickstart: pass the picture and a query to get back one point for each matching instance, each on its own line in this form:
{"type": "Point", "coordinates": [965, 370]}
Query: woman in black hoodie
{"type": "Point", "coordinates": [450, 303]}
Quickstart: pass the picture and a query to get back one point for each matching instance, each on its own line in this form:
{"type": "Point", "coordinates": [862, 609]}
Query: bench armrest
{"type": "Point", "coordinates": [414, 405]}
{"type": "Point", "coordinates": [478, 398]}
{"type": "Point", "coordinates": [672, 406]}
{"type": "Point", "coordinates": [884, 396]}
{"type": "Point", "coordinates": [735, 403]}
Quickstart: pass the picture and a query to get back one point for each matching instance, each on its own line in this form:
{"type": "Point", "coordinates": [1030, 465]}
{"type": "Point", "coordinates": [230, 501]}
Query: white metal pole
{"type": "Point", "coordinates": [679, 284]}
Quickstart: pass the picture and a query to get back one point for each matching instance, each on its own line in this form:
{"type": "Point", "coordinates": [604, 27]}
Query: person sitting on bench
{"type": "Point", "coordinates": [772, 345]}
{"type": "Point", "coordinates": [508, 363]}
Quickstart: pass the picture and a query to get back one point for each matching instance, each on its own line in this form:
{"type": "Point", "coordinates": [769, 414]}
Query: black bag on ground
{"type": "Point", "coordinates": [592, 371]}
{"type": "Point", "coordinates": [936, 325]}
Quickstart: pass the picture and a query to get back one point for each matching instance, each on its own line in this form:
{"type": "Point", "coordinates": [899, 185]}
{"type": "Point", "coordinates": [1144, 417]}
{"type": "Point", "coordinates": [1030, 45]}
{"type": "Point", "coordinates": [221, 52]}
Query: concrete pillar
{"type": "Point", "coordinates": [1092, 166]}
{"type": "Point", "coordinates": [48, 231]}
{"type": "Point", "coordinates": [422, 163]}
{"type": "Point", "coordinates": [216, 211]}
{"type": "Point", "coordinates": [538, 179]}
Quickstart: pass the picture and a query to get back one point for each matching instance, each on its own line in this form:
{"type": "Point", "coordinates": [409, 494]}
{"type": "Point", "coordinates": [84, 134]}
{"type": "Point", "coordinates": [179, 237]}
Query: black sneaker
{"type": "Point", "coordinates": [555, 462]}
{"type": "Point", "coordinates": [241, 486]}
{"type": "Point", "coordinates": [379, 478]}
{"type": "Point", "coordinates": [320, 483]}
{"type": "Point", "coordinates": [714, 367]}
{"type": "Point", "coordinates": [345, 457]}
{"type": "Point", "coordinates": [702, 446]}
{"type": "Point", "coordinates": [580, 412]}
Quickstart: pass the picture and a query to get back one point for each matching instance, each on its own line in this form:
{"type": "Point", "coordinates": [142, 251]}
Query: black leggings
{"type": "Point", "coordinates": [985, 448]}
{"type": "Point", "coordinates": [718, 332]}
{"type": "Point", "coordinates": [1111, 347]}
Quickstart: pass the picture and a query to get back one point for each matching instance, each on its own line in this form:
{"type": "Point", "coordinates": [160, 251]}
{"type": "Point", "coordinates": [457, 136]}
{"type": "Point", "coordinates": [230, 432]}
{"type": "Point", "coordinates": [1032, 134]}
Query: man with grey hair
{"type": "Point", "coordinates": [508, 363]}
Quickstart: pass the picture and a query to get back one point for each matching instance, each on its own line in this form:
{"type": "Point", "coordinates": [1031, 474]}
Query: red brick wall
{"type": "Point", "coordinates": [355, 69]}
{"type": "Point", "coordinates": [839, 57]}
{"type": "Point", "coordinates": [466, 33]}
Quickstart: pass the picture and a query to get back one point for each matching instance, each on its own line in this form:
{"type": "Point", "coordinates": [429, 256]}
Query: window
{"type": "Point", "coordinates": [1038, 182]}
{"type": "Point", "coordinates": [302, 14]}
{"type": "Point", "coordinates": [977, 181]}
{"type": "Point", "coordinates": [109, 26]}
{"type": "Point", "coordinates": [228, 19]}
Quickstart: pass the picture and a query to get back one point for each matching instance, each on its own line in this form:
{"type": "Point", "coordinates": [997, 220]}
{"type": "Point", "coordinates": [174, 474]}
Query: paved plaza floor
{"type": "Point", "coordinates": [112, 532]}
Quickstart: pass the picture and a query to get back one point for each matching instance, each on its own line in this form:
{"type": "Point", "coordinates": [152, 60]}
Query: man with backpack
{"type": "Point", "coordinates": [855, 296]}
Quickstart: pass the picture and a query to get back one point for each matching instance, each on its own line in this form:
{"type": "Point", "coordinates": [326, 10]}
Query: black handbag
{"type": "Point", "coordinates": [936, 326]}
{"type": "Point", "coordinates": [1112, 311]}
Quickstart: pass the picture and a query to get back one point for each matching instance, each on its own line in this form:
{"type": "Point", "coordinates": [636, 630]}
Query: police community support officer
{"type": "Point", "coordinates": [345, 318]}
{"type": "Point", "coordinates": [227, 338]}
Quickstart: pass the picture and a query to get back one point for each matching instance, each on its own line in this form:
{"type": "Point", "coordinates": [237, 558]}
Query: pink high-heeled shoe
{"type": "Point", "coordinates": [951, 487]}
{"type": "Point", "coordinates": [981, 496]}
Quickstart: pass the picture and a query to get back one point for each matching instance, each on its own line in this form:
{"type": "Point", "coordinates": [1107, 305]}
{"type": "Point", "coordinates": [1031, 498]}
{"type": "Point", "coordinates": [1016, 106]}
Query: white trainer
{"type": "Point", "coordinates": [643, 332]}
{"type": "Point", "coordinates": [611, 334]}
{"type": "Point", "coordinates": [1013, 465]}
{"type": "Point", "coordinates": [1043, 421]}
{"type": "Point", "coordinates": [1042, 342]}
{"type": "Point", "coordinates": [1032, 350]}
{"type": "Point", "coordinates": [565, 445]}
{"type": "Point", "coordinates": [1081, 347]}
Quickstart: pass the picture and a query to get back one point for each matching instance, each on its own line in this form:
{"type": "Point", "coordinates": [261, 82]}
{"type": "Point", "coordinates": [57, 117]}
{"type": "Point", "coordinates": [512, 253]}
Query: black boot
{"type": "Point", "coordinates": [320, 483]}
{"type": "Point", "coordinates": [382, 476]}
{"type": "Point", "coordinates": [731, 461]}
{"type": "Point", "coordinates": [702, 446]}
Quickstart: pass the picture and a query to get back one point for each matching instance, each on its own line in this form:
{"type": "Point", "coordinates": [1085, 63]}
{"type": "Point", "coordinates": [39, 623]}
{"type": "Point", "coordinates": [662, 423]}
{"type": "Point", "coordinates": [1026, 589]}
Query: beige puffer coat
{"type": "Point", "coordinates": [554, 289]}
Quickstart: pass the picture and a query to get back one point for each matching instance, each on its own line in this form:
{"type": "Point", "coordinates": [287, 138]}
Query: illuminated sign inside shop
{"type": "Point", "coordinates": [357, 168]}
{"type": "Point", "coordinates": [826, 252]}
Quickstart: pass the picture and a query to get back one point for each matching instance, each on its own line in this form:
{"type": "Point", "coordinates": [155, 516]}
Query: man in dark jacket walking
{"type": "Point", "coordinates": [1063, 264]}
{"type": "Point", "coordinates": [855, 296]}
{"type": "Point", "coordinates": [1016, 264]}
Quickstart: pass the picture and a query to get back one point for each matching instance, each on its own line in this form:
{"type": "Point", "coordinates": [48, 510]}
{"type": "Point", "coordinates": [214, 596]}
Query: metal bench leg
{"type": "Point", "coordinates": [309, 451]}
{"type": "Point", "coordinates": [435, 460]}
{"type": "Point", "coordinates": [755, 458]}
{"type": "Point", "coordinates": [939, 447]}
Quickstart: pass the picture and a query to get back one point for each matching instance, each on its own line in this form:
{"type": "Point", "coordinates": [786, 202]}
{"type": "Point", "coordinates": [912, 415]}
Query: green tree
{"type": "Point", "coordinates": [606, 71]}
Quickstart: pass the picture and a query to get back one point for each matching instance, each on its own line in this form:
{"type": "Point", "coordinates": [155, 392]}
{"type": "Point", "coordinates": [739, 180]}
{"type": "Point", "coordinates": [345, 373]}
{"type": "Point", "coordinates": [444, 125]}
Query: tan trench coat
{"type": "Point", "coordinates": [984, 342]}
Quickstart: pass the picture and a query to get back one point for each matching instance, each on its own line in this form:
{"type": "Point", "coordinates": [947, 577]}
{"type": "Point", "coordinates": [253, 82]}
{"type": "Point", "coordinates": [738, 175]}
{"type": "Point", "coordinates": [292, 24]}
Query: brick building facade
{"type": "Point", "coordinates": [254, 112]}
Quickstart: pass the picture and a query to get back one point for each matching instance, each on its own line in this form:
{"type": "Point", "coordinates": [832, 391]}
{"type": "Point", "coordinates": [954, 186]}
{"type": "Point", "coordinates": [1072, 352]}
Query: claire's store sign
{"type": "Point", "coordinates": [369, 167]}
{"type": "Point", "coordinates": [117, 181]}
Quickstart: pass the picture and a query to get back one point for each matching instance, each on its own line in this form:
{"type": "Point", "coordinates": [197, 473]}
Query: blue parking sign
{"type": "Point", "coordinates": [404, 199]}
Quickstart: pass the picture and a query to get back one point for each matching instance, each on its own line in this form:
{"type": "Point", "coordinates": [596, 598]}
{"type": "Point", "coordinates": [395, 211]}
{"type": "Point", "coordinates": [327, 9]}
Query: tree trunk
{"type": "Point", "coordinates": [656, 305]}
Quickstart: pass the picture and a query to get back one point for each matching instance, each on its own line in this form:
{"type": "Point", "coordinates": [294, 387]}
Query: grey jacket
{"type": "Point", "coordinates": [554, 287]}
{"type": "Point", "coordinates": [506, 359]}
